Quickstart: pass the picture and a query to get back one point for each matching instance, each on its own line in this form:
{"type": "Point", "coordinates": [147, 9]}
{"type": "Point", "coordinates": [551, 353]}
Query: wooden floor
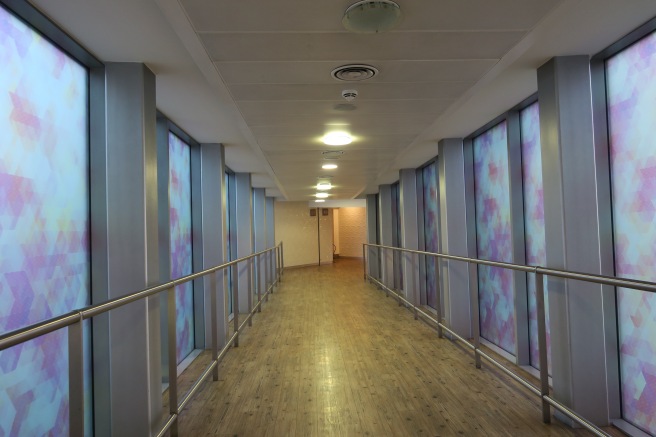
{"type": "Point", "coordinates": [330, 355]}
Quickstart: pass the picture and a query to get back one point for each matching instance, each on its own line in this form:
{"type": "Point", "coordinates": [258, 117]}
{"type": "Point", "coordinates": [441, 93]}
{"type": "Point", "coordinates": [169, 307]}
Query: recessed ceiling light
{"type": "Point", "coordinates": [321, 195]}
{"type": "Point", "coordinates": [337, 139]}
{"type": "Point", "coordinates": [329, 166]}
{"type": "Point", "coordinates": [319, 201]}
{"type": "Point", "coordinates": [372, 16]}
{"type": "Point", "coordinates": [323, 186]}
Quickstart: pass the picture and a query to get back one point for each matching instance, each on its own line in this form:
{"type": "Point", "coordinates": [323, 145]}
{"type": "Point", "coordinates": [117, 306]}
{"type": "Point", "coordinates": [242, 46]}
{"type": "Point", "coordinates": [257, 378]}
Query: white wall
{"type": "Point", "coordinates": [300, 233]}
{"type": "Point", "coordinates": [352, 231]}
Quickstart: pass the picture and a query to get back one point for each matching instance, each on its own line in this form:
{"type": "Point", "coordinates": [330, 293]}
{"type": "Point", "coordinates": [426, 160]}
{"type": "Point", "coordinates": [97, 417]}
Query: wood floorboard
{"type": "Point", "coordinates": [329, 355]}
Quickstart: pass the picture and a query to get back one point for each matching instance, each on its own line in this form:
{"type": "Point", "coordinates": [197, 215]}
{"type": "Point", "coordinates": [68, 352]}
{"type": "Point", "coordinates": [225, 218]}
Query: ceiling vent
{"type": "Point", "coordinates": [344, 107]}
{"type": "Point", "coordinates": [332, 154]}
{"type": "Point", "coordinates": [354, 72]}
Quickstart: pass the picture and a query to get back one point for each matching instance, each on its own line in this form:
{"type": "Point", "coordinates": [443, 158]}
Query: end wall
{"type": "Point", "coordinates": [352, 231]}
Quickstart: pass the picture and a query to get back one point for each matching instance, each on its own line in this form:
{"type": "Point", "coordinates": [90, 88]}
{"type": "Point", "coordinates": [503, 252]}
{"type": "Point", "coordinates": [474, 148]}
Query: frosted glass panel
{"type": "Point", "coordinates": [44, 224]}
{"type": "Point", "coordinates": [631, 77]}
{"type": "Point", "coordinates": [429, 176]}
{"type": "Point", "coordinates": [534, 222]}
{"type": "Point", "coordinates": [495, 288]}
{"type": "Point", "coordinates": [180, 223]}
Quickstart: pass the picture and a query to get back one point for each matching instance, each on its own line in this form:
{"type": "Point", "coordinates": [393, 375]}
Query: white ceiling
{"type": "Point", "coordinates": [255, 74]}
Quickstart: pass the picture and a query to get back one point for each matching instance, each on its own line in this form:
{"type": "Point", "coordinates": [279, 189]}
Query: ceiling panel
{"type": "Point", "coordinates": [366, 91]}
{"type": "Point", "coordinates": [380, 125]}
{"type": "Point", "coordinates": [295, 143]}
{"type": "Point", "coordinates": [354, 121]}
{"type": "Point", "coordinates": [357, 47]}
{"type": "Point", "coordinates": [311, 72]}
{"type": "Point", "coordinates": [251, 109]}
{"type": "Point", "coordinates": [300, 15]}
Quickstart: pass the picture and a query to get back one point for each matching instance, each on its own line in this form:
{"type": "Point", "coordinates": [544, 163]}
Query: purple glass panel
{"type": "Point", "coordinates": [180, 223]}
{"type": "Point", "coordinates": [429, 176]}
{"type": "Point", "coordinates": [493, 237]}
{"type": "Point", "coordinates": [44, 224]}
{"type": "Point", "coordinates": [631, 79]}
{"type": "Point", "coordinates": [534, 222]}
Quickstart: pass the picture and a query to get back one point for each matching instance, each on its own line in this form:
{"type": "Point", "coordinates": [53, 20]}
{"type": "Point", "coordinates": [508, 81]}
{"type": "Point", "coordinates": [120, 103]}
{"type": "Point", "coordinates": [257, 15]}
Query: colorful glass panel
{"type": "Point", "coordinates": [631, 81]}
{"type": "Point", "coordinates": [429, 179]}
{"type": "Point", "coordinates": [44, 224]}
{"type": "Point", "coordinates": [534, 222]}
{"type": "Point", "coordinates": [495, 286]}
{"type": "Point", "coordinates": [180, 225]}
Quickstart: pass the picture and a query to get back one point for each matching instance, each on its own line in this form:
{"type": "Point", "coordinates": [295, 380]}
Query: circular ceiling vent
{"type": "Point", "coordinates": [345, 107]}
{"type": "Point", "coordinates": [332, 154]}
{"type": "Point", "coordinates": [354, 72]}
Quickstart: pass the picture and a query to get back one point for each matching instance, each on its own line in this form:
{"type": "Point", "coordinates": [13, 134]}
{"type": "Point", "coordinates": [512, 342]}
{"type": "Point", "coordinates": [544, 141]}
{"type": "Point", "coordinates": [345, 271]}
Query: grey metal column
{"type": "Point", "coordinates": [409, 234]}
{"type": "Point", "coordinates": [372, 236]}
{"type": "Point", "coordinates": [164, 242]}
{"type": "Point", "coordinates": [259, 232]}
{"type": "Point", "coordinates": [454, 235]}
{"type": "Point", "coordinates": [580, 354]}
{"type": "Point", "coordinates": [213, 231]}
{"type": "Point", "coordinates": [243, 232]}
{"type": "Point", "coordinates": [126, 343]}
{"type": "Point", "coordinates": [385, 233]}
{"type": "Point", "coordinates": [271, 229]}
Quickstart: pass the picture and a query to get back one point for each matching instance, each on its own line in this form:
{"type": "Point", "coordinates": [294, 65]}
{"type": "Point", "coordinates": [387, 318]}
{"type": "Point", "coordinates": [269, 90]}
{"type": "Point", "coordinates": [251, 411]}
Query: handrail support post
{"type": "Point", "coordinates": [235, 303]}
{"type": "Point", "coordinates": [476, 326]}
{"type": "Point", "coordinates": [76, 378]}
{"type": "Point", "coordinates": [542, 346]}
{"type": "Point", "coordinates": [438, 295]}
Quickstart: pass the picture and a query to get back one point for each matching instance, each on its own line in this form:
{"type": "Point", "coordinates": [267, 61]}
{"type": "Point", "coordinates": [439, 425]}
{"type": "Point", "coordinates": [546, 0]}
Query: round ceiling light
{"type": "Point", "coordinates": [354, 72]}
{"type": "Point", "coordinates": [323, 186]}
{"type": "Point", "coordinates": [329, 166]}
{"type": "Point", "coordinates": [319, 201]}
{"type": "Point", "coordinates": [321, 195]}
{"type": "Point", "coordinates": [372, 16]}
{"type": "Point", "coordinates": [337, 139]}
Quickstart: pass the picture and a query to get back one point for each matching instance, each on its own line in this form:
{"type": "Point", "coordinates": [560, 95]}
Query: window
{"type": "Point", "coordinates": [493, 237]}
{"type": "Point", "coordinates": [181, 250]}
{"type": "Point", "coordinates": [631, 93]}
{"type": "Point", "coordinates": [534, 222]}
{"type": "Point", "coordinates": [429, 179]}
{"type": "Point", "coordinates": [44, 242]}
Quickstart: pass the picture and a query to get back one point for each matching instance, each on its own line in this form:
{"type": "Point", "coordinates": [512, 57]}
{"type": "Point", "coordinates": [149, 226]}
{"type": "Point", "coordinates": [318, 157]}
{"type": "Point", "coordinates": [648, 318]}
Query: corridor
{"type": "Point", "coordinates": [331, 355]}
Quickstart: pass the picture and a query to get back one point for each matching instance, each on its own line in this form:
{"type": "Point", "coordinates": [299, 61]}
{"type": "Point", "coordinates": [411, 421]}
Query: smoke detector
{"type": "Point", "coordinates": [349, 95]}
{"type": "Point", "coordinates": [354, 72]}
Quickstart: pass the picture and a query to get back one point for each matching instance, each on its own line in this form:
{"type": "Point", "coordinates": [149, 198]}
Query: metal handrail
{"type": "Point", "coordinates": [542, 391]}
{"type": "Point", "coordinates": [73, 320]}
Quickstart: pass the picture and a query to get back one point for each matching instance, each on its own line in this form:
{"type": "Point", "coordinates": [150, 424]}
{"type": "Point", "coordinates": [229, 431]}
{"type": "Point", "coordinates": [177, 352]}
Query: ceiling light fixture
{"type": "Point", "coordinates": [329, 166]}
{"type": "Point", "coordinates": [319, 201]}
{"type": "Point", "coordinates": [323, 186]}
{"type": "Point", "coordinates": [321, 195]}
{"type": "Point", "coordinates": [372, 16]}
{"type": "Point", "coordinates": [337, 139]}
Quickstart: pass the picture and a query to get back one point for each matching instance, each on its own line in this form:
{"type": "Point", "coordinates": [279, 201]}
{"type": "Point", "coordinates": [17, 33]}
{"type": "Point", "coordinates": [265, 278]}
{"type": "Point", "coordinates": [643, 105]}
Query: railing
{"type": "Point", "coordinates": [540, 272]}
{"type": "Point", "coordinates": [73, 320]}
